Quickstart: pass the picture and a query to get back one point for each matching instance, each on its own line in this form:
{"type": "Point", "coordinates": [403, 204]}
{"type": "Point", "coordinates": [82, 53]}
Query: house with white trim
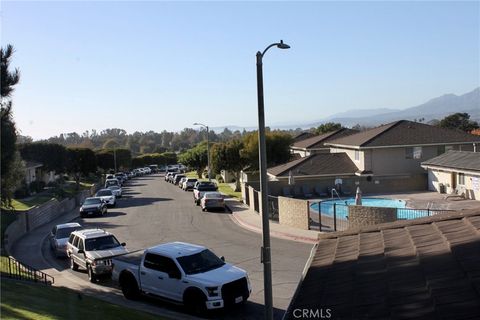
{"type": "Point", "coordinates": [455, 172]}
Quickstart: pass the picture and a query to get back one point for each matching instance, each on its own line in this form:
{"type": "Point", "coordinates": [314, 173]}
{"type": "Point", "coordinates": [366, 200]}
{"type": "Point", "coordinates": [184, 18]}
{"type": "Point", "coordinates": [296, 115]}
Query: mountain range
{"type": "Point", "coordinates": [436, 108]}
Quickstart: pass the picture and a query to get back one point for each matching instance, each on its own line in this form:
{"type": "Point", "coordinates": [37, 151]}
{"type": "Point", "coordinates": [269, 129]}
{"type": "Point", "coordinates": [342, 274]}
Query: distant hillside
{"type": "Point", "coordinates": [436, 108]}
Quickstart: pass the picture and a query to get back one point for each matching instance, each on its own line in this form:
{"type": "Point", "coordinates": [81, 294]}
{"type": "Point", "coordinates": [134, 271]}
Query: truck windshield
{"type": "Point", "coordinates": [200, 262]}
{"type": "Point", "coordinates": [101, 243]}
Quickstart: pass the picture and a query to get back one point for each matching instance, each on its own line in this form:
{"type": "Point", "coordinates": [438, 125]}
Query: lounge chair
{"type": "Point", "coordinates": [307, 192]}
{"type": "Point", "coordinates": [297, 192]}
{"type": "Point", "coordinates": [458, 192]}
{"type": "Point", "coordinates": [346, 192]}
{"type": "Point", "coordinates": [287, 192]}
{"type": "Point", "coordinates": [319, 192]}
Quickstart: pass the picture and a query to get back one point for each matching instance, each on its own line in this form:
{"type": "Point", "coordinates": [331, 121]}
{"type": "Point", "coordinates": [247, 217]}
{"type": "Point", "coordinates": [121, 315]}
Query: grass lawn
{"type": "Point", "coordinates": [22, 300]}
{"type": "Point", "coordinates": [222, 187]}
{"type": "Point", "coordinates": [24, 204]}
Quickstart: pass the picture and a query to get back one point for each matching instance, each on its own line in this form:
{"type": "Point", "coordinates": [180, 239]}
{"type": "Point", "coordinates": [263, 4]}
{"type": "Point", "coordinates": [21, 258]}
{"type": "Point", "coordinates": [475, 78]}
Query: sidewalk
{"type": "Point", "coordinates": [245, 217]}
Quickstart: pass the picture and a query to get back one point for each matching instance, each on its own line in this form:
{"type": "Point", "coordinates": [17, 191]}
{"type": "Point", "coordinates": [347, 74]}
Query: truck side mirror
{"type": "Point", "coordinates": [222, 258]}
{"type": "Point", "coordinates": [123, 244]}
{"type": "Point", "coordinates": [80, 251]}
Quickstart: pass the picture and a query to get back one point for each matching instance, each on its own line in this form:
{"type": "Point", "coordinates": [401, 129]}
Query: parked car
{"type": "Point", "coordinates": [59, 235]}
{"type": "Point", "coordinates": [107, 196]}
{"type": "Point", "coordinates": [212, 200]}
{"type": "Point", "coordinates": [189, 184]}
{"type": "Point", "coordinates": [93, 206]}
{"type": "Point", "coordinates": [172, 176]}
{"type": "Point", "coordinates": [120, 177]}
{"type": "Point", "coordinates": [112, 182]}
{"type": "Point", "coordinates": [177, 178]}
{"type": "Point", "coordinates": [201, 188]}
{"type": "Point", "coordinates": [183, 273]}
{"type": "Point", "coordinates": [181, 182]}
{"type": "Point", "coordinates": [93, 249]}
{"type": "Point", "coordinates": [109, 176]}
{"type": "Point", "coordinates": [116, 190]}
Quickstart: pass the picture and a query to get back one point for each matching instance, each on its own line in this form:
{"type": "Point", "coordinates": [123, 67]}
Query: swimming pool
{"type": "Point", "coordinates": [327, 207]}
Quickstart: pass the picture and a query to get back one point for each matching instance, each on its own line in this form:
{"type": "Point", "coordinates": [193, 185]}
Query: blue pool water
{"type": "Point", "coordinates": [326, 207]}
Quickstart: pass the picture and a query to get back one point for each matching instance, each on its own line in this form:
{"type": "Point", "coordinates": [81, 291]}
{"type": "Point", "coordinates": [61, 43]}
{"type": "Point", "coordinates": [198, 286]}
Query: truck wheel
{"type": "Point", "coordinates": [130, 288]}
{"type": "Point", "coordinates": [91, 276]}
{"type": "Point", "coordinates": [73, 265]}
{"type": "Point", "coordinates": [195, 302]}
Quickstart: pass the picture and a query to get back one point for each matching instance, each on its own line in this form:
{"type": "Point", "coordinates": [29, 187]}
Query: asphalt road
{"type": "Point", "coordinates": [153, 211]}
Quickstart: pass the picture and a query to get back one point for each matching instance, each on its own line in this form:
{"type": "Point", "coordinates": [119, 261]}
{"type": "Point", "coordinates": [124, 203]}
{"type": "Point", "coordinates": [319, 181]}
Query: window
{"type": "Point", "coordinates": [461, 179]}
{"type": "Point", "coordinates": [357, 155]}
{"type": "Point", "coordinates": [413, 153]}
{"type": "Point", "coordinates": [75, 242]}
{"type": "Point", "coordinates": [70, 239]}
{"type": "Point", "coordinates": [80, 245]}
{"type": "Point", "coordinates": [162, 264]}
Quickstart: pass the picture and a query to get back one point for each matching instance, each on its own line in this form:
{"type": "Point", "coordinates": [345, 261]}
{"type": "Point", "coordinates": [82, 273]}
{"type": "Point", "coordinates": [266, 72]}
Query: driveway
{"type": "Point", "coordinates": [153, 211]}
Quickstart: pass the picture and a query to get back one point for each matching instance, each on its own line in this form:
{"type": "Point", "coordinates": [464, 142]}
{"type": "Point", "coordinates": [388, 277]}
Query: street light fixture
{"type": "Point", "coordinates": [265, 253]}
{"type": "Point", "coordinates": [208, 148]}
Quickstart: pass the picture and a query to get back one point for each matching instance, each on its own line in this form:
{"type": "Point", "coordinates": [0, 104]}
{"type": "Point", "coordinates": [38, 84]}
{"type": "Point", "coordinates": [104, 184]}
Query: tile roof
{"type": "Point", "coordinates": [465, 160]}
{"type": "Point", "coordinates": [320, 140]}
{"type": "Point", "coordinates": [405, 133]}
{"type": "Point", "coordinates": [302, 136]}
{"type": "Point", "coordinates": [317, 164]}
{"type": "Point", "coordinates": [426, 268]}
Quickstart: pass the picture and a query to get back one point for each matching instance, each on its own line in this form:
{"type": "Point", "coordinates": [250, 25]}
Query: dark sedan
{"type": "Point", "coordinates": [93, 206]}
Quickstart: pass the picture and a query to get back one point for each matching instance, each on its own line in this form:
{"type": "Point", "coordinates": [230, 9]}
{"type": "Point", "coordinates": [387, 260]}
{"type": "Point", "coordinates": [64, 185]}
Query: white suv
{"type": "Point", "coordinates": [93, 249]}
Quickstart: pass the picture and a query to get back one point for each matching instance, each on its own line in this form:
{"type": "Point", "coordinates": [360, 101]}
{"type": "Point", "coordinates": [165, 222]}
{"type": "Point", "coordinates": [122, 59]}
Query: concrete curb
{"type": "Point", "coordinates": [281, 235]}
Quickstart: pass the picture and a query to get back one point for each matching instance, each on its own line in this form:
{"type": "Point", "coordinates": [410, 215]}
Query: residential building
{"type": "Point", "coordinates": [455, 172]}
{"type": "Point", "coordinates": [316, 144]}
{"type": "Point", "coordinates": [399, 148]}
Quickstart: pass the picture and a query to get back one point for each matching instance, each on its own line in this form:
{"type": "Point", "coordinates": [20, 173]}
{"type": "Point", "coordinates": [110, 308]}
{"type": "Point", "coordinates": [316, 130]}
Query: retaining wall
{"type": "Point", "coordinates": [359, 216]}
{"type": "Point", "coordinates": [40, 215]}
{"type": "Point", "coordinates": [293, 212]}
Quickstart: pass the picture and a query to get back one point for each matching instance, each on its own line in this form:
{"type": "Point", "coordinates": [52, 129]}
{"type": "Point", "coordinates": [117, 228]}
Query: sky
{"type": "Point", "coordinates": [160, 65]}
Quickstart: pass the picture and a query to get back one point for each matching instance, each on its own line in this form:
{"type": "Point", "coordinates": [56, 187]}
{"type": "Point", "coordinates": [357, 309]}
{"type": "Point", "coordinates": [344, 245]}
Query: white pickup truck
{"type": "Point", "coordinates": [182, 273]}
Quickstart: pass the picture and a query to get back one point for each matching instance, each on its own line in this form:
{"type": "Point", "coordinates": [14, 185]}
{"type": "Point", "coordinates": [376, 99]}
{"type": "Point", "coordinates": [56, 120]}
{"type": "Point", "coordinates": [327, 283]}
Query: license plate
{"type": "Point", "coordinates": [238, 299]}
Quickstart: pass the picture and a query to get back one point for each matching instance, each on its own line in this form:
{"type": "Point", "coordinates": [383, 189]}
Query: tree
{"type": "Point", "coordinates": [328, 127]}
{"type": "Point", "coordinates": [278, 148]}
{"type": "Point", "coordinates": [195, 158]}
{"type": "Point", "coordinates": [52, 156]}
{"type": "Point", "coordinates": [81, 162]}
{"type": "Point", "coordinates": [459, 121]}
{"type": "Point", "coordinates": [9, 157]}
{"type": "Point", "coordinates": [228, 156]}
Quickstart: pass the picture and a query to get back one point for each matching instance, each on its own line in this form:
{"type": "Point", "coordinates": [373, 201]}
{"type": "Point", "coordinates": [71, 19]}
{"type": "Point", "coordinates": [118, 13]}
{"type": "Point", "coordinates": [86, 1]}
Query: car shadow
{"type": "Point", "coordinates": [247, 310]}
{"type": "Point", "coordinates": [140, 201]}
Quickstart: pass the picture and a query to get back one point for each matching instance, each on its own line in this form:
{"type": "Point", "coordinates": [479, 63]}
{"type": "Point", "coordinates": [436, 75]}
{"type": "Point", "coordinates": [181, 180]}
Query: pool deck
{"type": "Point", "coordinates": [425, 200]}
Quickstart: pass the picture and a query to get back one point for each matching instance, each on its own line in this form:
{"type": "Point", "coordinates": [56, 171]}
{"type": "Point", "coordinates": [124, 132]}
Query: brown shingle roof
{"type": "Point", "coordinates": [302, 136]}
{"type": "Point", "coordinates": [418, 269]}
{"type": "Point", "coordinates": [465, 160]}
{"type": "Point", "coordinates": [405, 133]}
{"type": "Point", "coordinates": [320, 140]}
{"type": "Point", "coordinates": [318, 164]}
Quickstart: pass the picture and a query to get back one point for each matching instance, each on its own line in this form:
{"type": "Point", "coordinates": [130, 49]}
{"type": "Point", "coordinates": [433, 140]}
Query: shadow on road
{"type": "Point", "coordinates": [140, 201]}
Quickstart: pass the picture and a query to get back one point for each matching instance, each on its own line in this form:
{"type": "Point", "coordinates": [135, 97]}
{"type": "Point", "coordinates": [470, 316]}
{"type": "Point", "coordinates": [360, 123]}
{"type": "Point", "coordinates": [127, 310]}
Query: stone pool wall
{"type": "Point", "coordinates": [359, 216]}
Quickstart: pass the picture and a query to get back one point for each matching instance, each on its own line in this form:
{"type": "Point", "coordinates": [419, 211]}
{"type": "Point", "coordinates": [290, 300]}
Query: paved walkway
{"type": "Point", "coordinates": [247, 218]}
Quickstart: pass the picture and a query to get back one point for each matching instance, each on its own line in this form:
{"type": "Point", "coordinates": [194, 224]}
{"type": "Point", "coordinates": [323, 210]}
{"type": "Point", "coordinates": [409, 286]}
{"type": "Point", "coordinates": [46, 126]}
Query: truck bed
{"type": "Point", "coordinates": [134, 257]}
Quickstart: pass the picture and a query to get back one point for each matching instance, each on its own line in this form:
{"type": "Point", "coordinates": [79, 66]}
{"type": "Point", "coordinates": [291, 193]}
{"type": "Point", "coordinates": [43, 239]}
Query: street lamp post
{"type": "Point", "coordinates": [208, 148]}
{"type": "Point", "coordinates": [265, 253]}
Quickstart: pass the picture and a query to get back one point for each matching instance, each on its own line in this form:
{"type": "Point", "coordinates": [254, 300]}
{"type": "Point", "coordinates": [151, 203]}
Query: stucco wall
{"type": "Point", "coordinates": [472, 183]}
{"type": "Point", "coordinates": [293, 212]}
{"type": "Point", "coordinates": [359, 216]}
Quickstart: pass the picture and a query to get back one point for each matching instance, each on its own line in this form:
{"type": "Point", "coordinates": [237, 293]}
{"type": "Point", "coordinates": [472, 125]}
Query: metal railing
{"type": "Point", "coordinates": [14, 269]}
{"type": "Point", "coordinates": [330, 216]}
